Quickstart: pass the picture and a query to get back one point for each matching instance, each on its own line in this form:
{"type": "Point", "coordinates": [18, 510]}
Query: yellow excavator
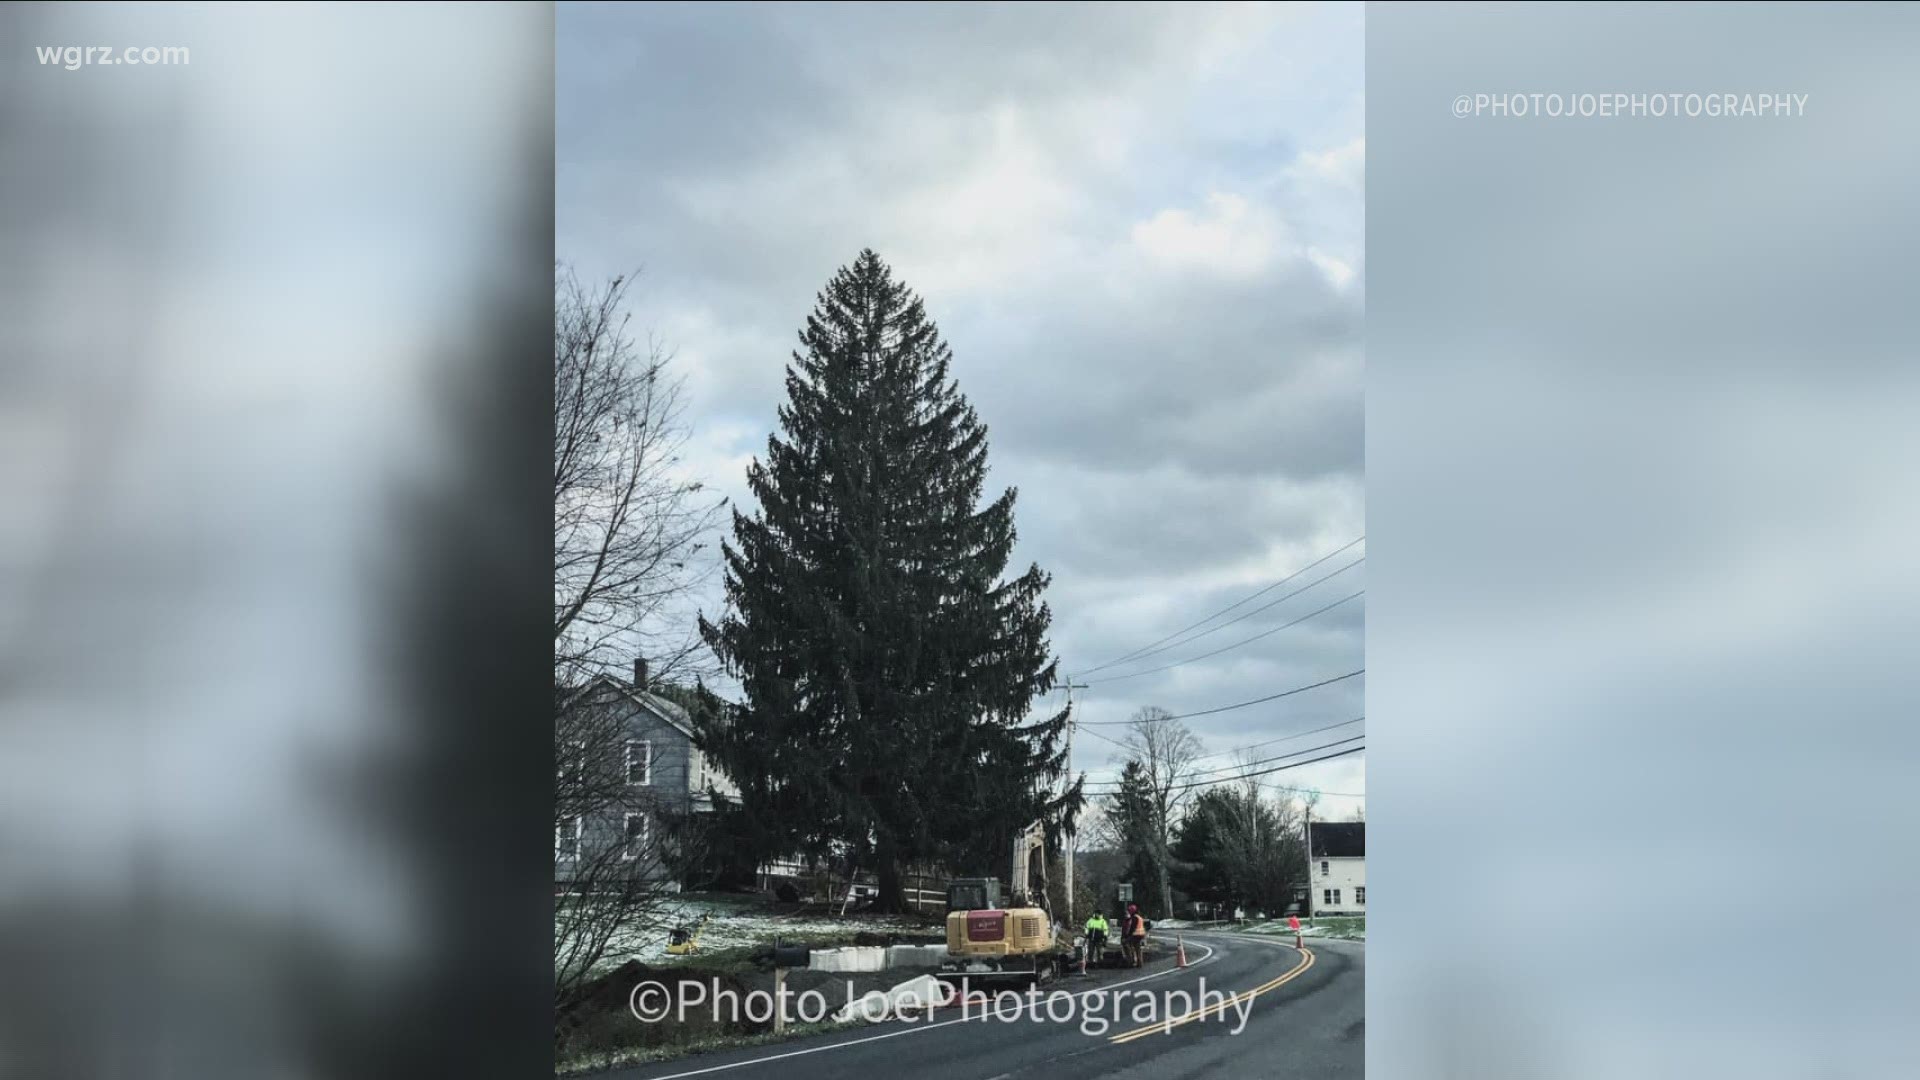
{"type": "Point", "coordinates": [991, 944]}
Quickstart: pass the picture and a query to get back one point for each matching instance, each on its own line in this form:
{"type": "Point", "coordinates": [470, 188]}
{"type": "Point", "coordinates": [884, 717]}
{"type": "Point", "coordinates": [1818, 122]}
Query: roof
{"type": "Point", "coordinates": [653, 703]}
{"type": "Point", "coordinates": [1339, 839]}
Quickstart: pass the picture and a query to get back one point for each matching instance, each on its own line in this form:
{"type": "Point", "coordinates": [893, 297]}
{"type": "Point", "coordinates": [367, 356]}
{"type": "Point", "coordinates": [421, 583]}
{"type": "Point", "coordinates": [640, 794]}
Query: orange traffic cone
{"type": "Point", "coordinates": [1183, 949]}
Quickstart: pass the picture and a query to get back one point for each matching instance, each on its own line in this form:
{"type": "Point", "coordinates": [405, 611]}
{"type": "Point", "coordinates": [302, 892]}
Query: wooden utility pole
{"type": "Point", "coordinates": [1073, 835]}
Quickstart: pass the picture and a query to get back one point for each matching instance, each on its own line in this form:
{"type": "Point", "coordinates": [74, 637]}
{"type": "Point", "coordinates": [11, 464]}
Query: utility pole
{"type": "Point", "coordinates": [1308, 819]}
{"type": "Point", "coordinates": [1073, 835]}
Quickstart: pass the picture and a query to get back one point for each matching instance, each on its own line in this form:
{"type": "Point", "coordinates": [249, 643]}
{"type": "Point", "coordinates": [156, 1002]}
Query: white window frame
{"type": "Point", "coordinates": [1324, 872]}
{"type": "Point", "coordinates": [1360, 895]}
{"type": "Point", "coordinates": [560, 838]}
{"type": "Point", "coordinates": [627, 853]}
{"type": "Point", "coordinates": [579, 764]}
{"type": "Point", "coordinates": [646, 772]}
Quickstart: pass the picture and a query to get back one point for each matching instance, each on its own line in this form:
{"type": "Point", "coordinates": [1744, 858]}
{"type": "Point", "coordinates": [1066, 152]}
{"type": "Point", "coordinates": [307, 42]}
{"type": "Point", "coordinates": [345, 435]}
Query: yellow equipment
{"type": "Point", "coordinates": [990, 943]}
{"type": "Point", "coordinates": [684, 940]}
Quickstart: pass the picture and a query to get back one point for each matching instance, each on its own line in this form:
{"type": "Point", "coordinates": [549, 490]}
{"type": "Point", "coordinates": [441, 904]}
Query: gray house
{"type": "Point", "coordinates": [625, 759]}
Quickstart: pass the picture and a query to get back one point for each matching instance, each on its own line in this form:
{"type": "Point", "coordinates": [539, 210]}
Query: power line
{"type": "Point", "coordinates": [1295, 765]}
{"type": "Point", "coordinates": [1203, 775]}
{"type": "Point", "coordinates": [1223, 771]}
{"type": "Point", "coordinates": [1268, 772]}
{"type": "Point", "coordinates": [1283, 738]}
{"type": "Point", "coordinates": [1245, 749]}
{"type": "Point", "coordinates": [1231, 769]}
{"type": "Point", "coordinates": [1237, 644]}
{"type": "Point", "coordinates": [1248, 615]}
{"type": "Point", "coordinates": [1317, 791]}
{"type": "Point", "coordinates": [1155, 647]}
{"type": "Point", "coordinates": [1279, 787]}
{"type": "Point", "coordinates": [1275, 787]}
{"type": "Point", "coordinates": [1225, 708]}
{"type": "Point", "coordinates": [1260, 701]}
{"type": "Point", "coordinates": [1262, 607]}
{"type": "Point", "coordinates": [1104, 738]}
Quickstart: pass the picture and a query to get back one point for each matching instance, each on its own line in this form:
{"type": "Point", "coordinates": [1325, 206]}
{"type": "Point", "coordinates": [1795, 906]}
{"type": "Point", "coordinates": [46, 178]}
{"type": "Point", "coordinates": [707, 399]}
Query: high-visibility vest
{"type": "Point", "coordinates": [1136, 926]}
{"type": "Point", "coordinates": [1097, 923]}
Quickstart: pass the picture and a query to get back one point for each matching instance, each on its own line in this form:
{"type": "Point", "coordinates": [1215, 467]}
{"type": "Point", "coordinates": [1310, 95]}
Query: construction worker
{"type": "Point", "coordinates": [1096, 937]}
{"type": "Point", "coordinates": [1134, 935]}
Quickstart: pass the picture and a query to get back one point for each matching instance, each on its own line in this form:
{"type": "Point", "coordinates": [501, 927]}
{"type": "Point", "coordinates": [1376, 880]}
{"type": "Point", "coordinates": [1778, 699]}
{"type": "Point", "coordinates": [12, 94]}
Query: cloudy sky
{"type": "Point", "coordinates": [1140, 228]}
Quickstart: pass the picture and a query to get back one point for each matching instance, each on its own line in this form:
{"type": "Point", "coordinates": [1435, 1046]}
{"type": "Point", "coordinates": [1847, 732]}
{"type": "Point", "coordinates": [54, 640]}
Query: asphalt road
{"type": "Point", "coordinates": [1306, 1017]}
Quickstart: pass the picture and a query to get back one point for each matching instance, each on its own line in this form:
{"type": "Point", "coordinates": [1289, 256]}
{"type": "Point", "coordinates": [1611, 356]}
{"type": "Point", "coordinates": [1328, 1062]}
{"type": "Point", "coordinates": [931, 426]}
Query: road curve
{"type": "Point", "coordinates": [1297, 1014]}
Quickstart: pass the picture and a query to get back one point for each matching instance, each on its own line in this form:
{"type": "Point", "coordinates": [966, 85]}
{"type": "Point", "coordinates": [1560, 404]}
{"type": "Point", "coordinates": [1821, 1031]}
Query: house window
{"type": "Point", "coordinates": [638, 830]}
{"type": "Point", "coordinates": [1323, 868]}
{"type": "Point", "coordinates": [571, 769]}
{"type": "Point", "coordinates": [1360, 894]}
{"type": "Point", "coordinates": [1330, 897]}
{"type": "Point", "coordinates": [639, 763]}
{"type": "Point", "coordinates": [566, 840]}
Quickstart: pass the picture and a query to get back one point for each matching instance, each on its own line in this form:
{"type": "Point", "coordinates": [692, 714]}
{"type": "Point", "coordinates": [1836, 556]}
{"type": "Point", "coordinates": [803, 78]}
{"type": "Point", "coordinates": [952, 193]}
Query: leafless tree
{"type": "Point", "coordinates": [1251, 838]}
{"type": "Point", "coordinates": [1309, 803]}
{"type": "Point", "coordinates": [628, 525]}
{"type": "Point", "coordinates": [1166, 750]}
{"type": "Point", "coordinates": [1097, 830]}
{"type": "Point", "coordinates": [1359, 813]}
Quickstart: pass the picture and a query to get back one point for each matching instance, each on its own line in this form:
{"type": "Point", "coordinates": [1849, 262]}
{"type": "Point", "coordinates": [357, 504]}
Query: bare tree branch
{"type": "Point", "coordinates": [628, 540]}
{"type": "Point", "coordinates": [629, 526]}
{"type": "Point", "coordinates": [1166, 750]}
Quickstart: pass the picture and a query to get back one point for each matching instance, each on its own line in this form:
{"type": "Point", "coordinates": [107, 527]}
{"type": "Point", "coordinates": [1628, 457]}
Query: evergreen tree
{"type": "Point", "coordinates": [1201, 867]}
{"type": "Point", "coordinates": [1134, 823]}
{"type": "Point", "coordinates": [886, 667]}
{"type": "Point", "coordinates": [1237, 847]}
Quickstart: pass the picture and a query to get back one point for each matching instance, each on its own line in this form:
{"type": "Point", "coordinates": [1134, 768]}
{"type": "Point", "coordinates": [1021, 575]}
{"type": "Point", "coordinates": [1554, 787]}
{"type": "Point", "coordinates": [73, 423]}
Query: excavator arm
{"type": "Point", "coordinates": [1029, 865]}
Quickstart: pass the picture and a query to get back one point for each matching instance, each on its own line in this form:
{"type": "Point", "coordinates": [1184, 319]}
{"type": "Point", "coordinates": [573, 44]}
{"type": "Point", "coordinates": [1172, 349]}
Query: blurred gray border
{"type": "Point", "coordinates": [274, 329]}
{"type": "Point", "coordinates": [1641, 427]}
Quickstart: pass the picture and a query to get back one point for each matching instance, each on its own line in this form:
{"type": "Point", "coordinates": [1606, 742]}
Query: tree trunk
{"type": "Point", "coordinates": [893, 898]}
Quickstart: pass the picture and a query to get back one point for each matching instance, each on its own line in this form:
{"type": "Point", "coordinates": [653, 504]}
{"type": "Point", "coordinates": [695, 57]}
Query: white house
{"type": "Point", "coordinates": [1338, 870]}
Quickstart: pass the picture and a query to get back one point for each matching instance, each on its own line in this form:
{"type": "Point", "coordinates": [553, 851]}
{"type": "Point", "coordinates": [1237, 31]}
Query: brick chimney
{"type": "Point", "coordinates": [639, 673]}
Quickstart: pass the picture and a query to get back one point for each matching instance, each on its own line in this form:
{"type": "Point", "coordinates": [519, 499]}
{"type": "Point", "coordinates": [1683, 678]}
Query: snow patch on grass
{"type": "Point", "coordinates": [1337, 928]}
{"type": "Point", "coordinates": [744, 924]}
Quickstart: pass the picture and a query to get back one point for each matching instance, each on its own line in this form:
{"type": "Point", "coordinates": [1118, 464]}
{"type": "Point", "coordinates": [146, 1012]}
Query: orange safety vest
{"type": "Point", "coordinates": [1136, 926]}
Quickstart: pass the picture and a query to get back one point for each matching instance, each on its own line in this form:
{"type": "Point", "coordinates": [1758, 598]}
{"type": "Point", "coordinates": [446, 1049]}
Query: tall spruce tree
{"type": "Point", "coordinates": [1131, 814]}
{"type": "Point", "coordinates": [887, 668]}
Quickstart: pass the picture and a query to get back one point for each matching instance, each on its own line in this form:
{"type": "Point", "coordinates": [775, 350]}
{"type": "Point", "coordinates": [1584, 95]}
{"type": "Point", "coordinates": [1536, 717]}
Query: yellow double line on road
{"type": "Point", "coordinates": [1218, 1007]}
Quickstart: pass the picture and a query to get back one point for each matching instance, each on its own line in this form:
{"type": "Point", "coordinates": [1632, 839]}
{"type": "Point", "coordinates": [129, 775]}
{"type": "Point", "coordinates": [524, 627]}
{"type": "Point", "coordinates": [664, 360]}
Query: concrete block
{"type": "Point", "coordinates": [916, 956]}
{"type": "Point", "coordinates": [850, 958]}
